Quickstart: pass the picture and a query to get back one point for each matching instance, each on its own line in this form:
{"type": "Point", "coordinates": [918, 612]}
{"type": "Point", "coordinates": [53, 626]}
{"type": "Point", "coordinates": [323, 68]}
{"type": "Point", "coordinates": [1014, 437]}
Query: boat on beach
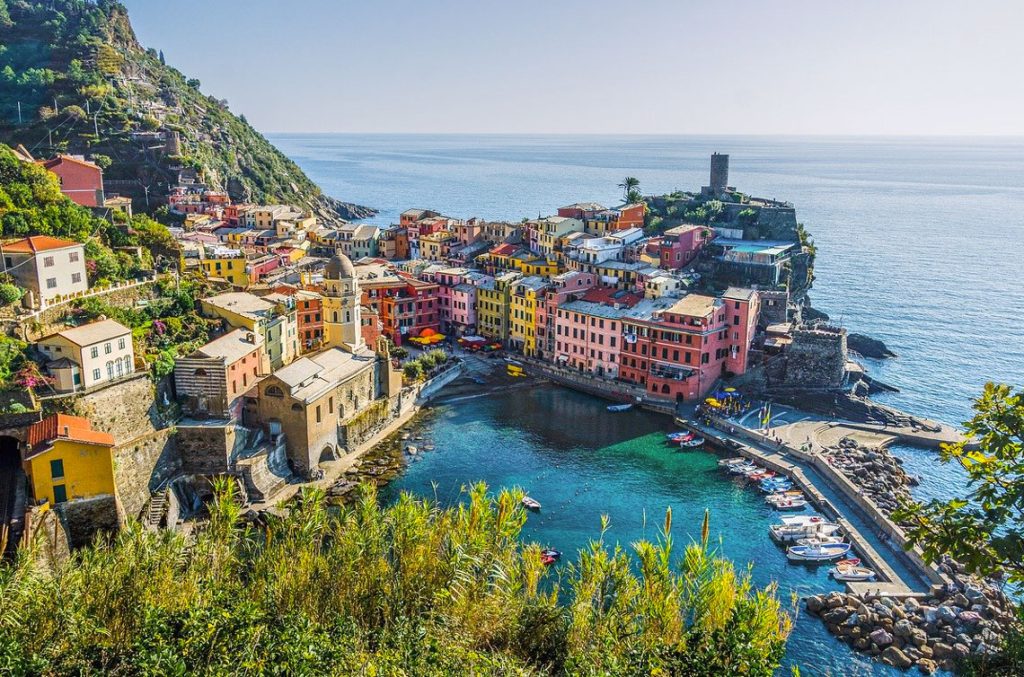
{"type": "Point", "coordinates": [531, 503]}
{"type": "Point", "coordinates": [614, 408]}
{"type": "Point", "coordinates": [817, 553]}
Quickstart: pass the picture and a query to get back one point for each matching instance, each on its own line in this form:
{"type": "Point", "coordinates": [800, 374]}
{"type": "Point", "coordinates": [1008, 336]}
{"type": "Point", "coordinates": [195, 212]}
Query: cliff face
{"type": "Point", "coordinates": [74, 79]}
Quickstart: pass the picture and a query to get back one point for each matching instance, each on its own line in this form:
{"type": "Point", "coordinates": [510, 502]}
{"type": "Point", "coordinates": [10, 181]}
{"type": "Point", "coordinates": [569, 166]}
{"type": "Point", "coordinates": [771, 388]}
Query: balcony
{"type": "Point", "coordinates": [670, 372]}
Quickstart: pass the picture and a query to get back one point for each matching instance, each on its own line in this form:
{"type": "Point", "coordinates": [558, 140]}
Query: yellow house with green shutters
{"type": "Point", "coordinates": [66, 459]}
{"type": "Point", "coordinates": [232, 267]}
{"type": "Point", "coordinates": [527, 295]}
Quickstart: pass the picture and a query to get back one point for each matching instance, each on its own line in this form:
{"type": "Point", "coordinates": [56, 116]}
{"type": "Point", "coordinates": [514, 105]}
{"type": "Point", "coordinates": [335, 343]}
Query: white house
{"type": "Point", "coordinates": [89, 355]}
{"type": "Point", "coordinates": [46, 267]}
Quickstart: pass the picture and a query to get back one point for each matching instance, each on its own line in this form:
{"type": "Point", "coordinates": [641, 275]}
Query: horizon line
{"type": "Point", "coordinates": [844, 135]}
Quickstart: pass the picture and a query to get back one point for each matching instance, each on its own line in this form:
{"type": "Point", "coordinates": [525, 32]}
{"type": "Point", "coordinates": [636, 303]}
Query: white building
{"type": "Point", "coordinates": [46, 267]}
{"type": "Point", "coordinates": [89, 355]}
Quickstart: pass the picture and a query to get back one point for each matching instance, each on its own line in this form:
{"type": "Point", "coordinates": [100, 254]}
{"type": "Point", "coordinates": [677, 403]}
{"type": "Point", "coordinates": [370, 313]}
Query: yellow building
{"type": "Point", "coordinates": [232, 267]}
{"type": "Point", "coordinates": [493, 301]}
{"type": "Point", "coordinates": [527, 294]}
{"type": "Point", "coordinates": [66, 459]}
{"type": "Point", "coordinates": [530, 265]}
{"type": "Point", "coordinates": [435, 246]}
{"type": "Point", "coordinates": [551, 229]}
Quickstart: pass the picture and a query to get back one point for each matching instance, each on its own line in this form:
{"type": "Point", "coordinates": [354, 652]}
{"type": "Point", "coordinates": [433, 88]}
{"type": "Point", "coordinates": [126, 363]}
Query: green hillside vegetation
{"type": "Point", "coordinates": [31, 204]}
{"type": "Point", "coordinates": [85, 86]}
{"type": "Point", "coordinates": [410, 589]}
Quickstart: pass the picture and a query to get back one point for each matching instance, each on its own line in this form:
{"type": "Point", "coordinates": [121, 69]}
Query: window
{"type": "Point", "coordinates": [56, 469]}
{"type": "Point", "coordinates": [95, 374]}
{"type": "Point", "coordinates": [120, 343]}
{"type": "Point", "coordinates": [94, 352]}
{"type": "Point", "coordinates": [330, 405]}
{"type": "Point", "coordinates": [107, 348]}
{"type": "Point", "coordinates": [273, 391]}
{"type": "Point", "coordinates": [60, 493]}
{"type": "Point", "coordinates": [318, 413]}
{"type": "Point", "coordinates": [51, 283]}
{"type": "Point", "coordinates": [47, 262]}
{"type": "Point", "coordinates": [110, 370]}
{"type": "Point", "coordinates": [76, 277]}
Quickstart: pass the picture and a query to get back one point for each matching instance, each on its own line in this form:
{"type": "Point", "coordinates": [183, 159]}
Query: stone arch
{"type": "Point", "coordinates": [327, 454]}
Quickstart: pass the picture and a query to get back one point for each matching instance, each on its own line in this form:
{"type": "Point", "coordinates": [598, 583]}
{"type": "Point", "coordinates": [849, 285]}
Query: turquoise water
{"type": "Point", "coordinates": [581, 463]}
{"type": "Point", "coordinates": [919, 244]}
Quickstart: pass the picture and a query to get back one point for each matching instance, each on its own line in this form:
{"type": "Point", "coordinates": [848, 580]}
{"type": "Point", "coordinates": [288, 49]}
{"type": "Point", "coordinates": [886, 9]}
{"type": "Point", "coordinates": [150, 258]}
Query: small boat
{"type": "Point", "coordinates": [852, 573]}
{"type": "Point", "coordinates": [775, 487]}
{"type": "Point", "coordinates": [752, 470]}
{"type": "Point", "coordinates": [547, 560]}
{"type": "Point", "coordinates": [848, 562]}
{"type": "Point", "coordinates": [783, 497]}
{"type": "Point", "coordinates": [788, 533]}
{"type": "Point", "coordinates": [790, 504]}
{"type": "Point", "coordinates": [531, 503]}
{"type": "Point", "coordinates": [726, 462]}
{"type": "Point", "coordinates": [817, 553]}
{"type": "Point", "coordinates": [550, 552]}
{"type": "Point", "coordinates": [819, 540]}
{"type": "Point", "coordinates": [803, 520]}
{"type": "Point", "coordinates": [692, 442]}
{"type": "Point", "coordinates": [763, 475]}
{"type": "Point", "coordinates": [619, 407]}
{"type": "Point", "coordinates": [740, 468]}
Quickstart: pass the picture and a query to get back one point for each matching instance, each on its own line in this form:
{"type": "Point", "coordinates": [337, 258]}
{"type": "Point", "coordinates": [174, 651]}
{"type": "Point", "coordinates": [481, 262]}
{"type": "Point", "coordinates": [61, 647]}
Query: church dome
{"type": "Point", "coordinates": [339, 267]}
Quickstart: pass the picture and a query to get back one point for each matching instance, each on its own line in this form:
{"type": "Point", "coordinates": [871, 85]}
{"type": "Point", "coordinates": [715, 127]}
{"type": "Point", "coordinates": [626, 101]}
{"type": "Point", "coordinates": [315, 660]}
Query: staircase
{"type": "Point", "coordinates": [157, 509]}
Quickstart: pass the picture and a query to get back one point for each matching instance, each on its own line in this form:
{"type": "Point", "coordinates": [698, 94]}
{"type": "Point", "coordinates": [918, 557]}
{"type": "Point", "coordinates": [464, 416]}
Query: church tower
{"type": "Point", "coordinates": [341, 302]}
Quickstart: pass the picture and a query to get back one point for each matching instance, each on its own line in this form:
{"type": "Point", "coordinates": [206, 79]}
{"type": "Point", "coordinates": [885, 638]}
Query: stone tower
{"type": "Point", "coordinates": [341, 302]}
{"type": "Point", "coordinates": [719, 173]}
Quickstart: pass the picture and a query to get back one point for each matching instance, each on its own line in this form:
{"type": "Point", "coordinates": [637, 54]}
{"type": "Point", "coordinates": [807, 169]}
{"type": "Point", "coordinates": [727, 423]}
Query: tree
{"type": "Point", "coordinates": [10, 293]}
{"type": "Point", "coordinates": [163, 61]}
{"type": "Point", "coordinates": [983, 530]}
{"type": "Point", "coordinates": [630, 183]}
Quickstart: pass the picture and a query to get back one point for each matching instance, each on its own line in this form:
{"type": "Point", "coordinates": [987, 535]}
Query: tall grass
{"type": "Point", "coordinates": [408, 589]}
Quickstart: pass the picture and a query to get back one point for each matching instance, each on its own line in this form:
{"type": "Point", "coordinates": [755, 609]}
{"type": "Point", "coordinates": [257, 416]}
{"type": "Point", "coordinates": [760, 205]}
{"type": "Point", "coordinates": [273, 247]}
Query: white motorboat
{"type": "Point", "coordinates": [726, 462]}
{"type": "Point", "coordinates": [531, 503]}
{"type": "Point", "coordinates": [789, 533]}
{"type": "Point", "coordinates": [817, 553]}
{"type": "Point", "coordinates": [852, 573]}
{"type": "Point", "coordinates": [691, 442]}
{"type": "Point", "coordinates": [741, 468]}
{"type": "Point", "coordinates": [804, 520]}
{"type": "Point", "coordinates": [619, 407]}
{"type": "Point", "coordinates": [819, 540]}
{"type": "Point", "coordinates": [790, 504]}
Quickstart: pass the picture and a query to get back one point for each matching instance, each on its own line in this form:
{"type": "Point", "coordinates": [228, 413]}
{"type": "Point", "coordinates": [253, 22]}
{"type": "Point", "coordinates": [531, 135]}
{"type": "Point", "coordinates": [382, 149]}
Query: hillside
{"type": "Point", "coordinates": [74, 79]}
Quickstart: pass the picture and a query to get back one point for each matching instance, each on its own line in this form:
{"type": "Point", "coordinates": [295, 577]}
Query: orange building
{"type": "Point", "coordinates": [81, 181]}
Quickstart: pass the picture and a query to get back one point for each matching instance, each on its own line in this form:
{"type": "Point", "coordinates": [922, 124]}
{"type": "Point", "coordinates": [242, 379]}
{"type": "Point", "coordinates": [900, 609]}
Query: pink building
{"type": "Point", "coordinates": [565, 287]}
{"type": "Point", "coordinates": [742, 307]}
{"type": "Point", "coordinates": [680, 245]}
{"type": "Point", "coordinates": [588, 331]}
{"type": "Point", "coordinates": [469, 231]}
{"type": "Point", "coordinates": [457, 298]}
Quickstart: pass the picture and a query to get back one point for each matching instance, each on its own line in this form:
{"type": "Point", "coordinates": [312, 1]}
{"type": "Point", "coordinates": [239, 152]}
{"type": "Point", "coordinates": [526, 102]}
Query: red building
{"type": "Point", "coordinates": [405, 306]}
{"type": "Point", "coordinates": [743, 307]}
{"type": "Point", "coordinates": [679, 246]}
{"type": "Point", "coordinates": [80, 181]}
{"type": "Point", "coordinates": [679, 353]}
{"type": "Point", "coordinates": [309, 320]}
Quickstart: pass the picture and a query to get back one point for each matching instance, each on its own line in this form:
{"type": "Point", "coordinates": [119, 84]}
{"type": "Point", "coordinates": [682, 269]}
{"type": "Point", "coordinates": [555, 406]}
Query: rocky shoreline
{"type": "Point", "coordinates": [966, 617]}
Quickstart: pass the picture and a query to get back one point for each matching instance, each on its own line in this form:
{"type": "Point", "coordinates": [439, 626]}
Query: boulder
{"type": "Point", "coordinates": [969, 617]}
{"type": "Point", "coordinates": [919, 637]}
{"type": "Point", "coordinates": [903, 628]}
{"type": "Point", "coordinates": [911, 604]}
{"type": "Point", "coordinates": [897, 658]}
{"type": "Point", "coordinates": [834, 600]}
{"type": "Point", "coordinates": [961, 650]}
{"type": "Point", "coordinates": [946, 614]}
{"type": "Point", "coordinates": [927, 666]}
{"type": "Point", "coordinates": [961, 601]}
{"type": "Point", "coordinates": [941, 650]}
{"type": "Point", "coordinates": [881, 637]}
{"type": "Point", "coordinates": [835, 616]}
{"type": "Point", "coordinates": [815, 604]}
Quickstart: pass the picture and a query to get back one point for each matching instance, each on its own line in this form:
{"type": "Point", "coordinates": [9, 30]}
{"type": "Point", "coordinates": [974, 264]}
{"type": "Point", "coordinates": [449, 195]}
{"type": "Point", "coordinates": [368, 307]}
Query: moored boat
{"type": "Point", "coordinates": [531, 503]}
{"type": "Point", "coordinates": [790, 504]}
{"type": "Point", "coordinates": [726, 462]}
{"type": "Point", "coordinates": [819, 540]}
{"type": "Point", "coordinates": [691, 442]}
{"type": "Point", "coordinates": [804, 520]}
{"type": "Point", "coordinates": [619, 407]}
{"type": "Point", "coordinates": [817, 553]}
{"type": "Point", "coordinates": [852, 573]}
{"type": "Point", "coordinates": [789, 533]}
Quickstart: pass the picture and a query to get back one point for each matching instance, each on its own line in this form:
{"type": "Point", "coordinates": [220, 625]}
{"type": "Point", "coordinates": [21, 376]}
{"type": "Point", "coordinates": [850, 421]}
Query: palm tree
{"type": "Point", "coordinates": [628, 185]}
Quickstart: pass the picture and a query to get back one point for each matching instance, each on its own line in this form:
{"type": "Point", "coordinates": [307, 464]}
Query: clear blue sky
{"type": "Point", "coordinates": [597, 66]}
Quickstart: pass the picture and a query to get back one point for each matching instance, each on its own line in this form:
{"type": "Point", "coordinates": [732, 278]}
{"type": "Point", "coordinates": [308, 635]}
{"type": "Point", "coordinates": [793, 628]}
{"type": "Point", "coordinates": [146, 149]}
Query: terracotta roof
{"type": "Point", "coordinates": [48, 164]}
{"type": "Point", "coordinates": [61, 426]}
{"type": "Point", "coordinates": [37, 243]}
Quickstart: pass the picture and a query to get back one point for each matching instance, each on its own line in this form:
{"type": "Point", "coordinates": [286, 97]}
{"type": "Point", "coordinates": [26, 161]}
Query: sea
{"type": "Point", "coordinates": [920, 243]}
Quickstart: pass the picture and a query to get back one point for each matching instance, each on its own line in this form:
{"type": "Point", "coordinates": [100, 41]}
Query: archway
{"type": "Point", "coordinates": [10, 475]}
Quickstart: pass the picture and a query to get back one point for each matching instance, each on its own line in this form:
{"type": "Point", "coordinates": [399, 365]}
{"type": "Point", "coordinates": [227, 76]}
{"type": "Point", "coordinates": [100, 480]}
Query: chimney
{"type": "Point", "coordinates": [250, 337]}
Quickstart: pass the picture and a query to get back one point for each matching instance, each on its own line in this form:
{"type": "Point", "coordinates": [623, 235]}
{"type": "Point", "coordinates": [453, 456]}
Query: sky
{"type": "Point", "coordinates": [805, 67]}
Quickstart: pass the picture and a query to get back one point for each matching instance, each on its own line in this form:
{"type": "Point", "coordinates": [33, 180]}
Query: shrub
{"type": "Point", "coordinates": [10, 293]}
{"type": "Point", "coordinates": [405, 589]}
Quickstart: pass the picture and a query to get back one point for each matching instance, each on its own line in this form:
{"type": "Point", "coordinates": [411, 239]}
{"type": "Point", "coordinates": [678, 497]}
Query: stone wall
{"type": "Point", "coordinates": [126, 409]}
{"type": "Point", "coordinates": [51, 319]}
{"type": "Point", "coordinates": [207, 449]}
{"type": "Point", "coordinates": [142, 465]}
{"type": "Point", "coordinates": [816, 360]}
{"type": "Point", "coordinates": [84, 518]}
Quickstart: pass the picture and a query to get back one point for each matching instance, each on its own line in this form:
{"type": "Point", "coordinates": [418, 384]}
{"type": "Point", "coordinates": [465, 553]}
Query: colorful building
{"type": "Point", "coordinates": [493, 305]}
{"type": "Point", "coordinates": [679, 246]}
{"type": "Point", "coordinates": [66, 459]}
{"type": "Point", "coordinates": [405, 305]}
{"type": "Point", "coordinates": [525, 303]}
{"type": "Point", "coordinates": [212, 380]}
{"type": "Point", "coordinates": [435, 246]}
{"type": "Point", "coordinates": [272, 317]}
{"type": "Point", "coordinates": [81, 181]}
